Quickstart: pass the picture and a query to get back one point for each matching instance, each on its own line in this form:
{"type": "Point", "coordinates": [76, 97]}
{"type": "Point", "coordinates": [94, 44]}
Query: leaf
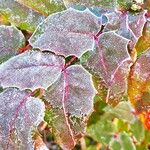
{"type": "Point", "coordinates": [123, 141]}
{"type": "Point", "coordinates": [137, 22]}
{"type": "Point", "coordinates": [144, 41]}
{"type": "Point", "coordinates": [126, 142]}
{"type": "Point", "coordinates": [31, 70]}
{"type": "Point", "coordinates": [103, 130]}
{"type": "Point", "coordinates": [115, 145]}
{"type": "Point", "coordinates": [135, 128]}
{"type": "Point", "coordinates": [11, 39]}
{"type": "Point", "coordinates": [71, 98]}
{"type": "Point", "coordinates": [19, 15]}
{"type": "Point", "coordinates": [44, 7]}
{"type": "Point", "coordinates": [128, 25]}
{"type": "Point", "coordinates": [123, 111]}
{"type": "Point", "coordinates": [70, 32]}
{"type": "Point", "coordinates": [111, 62]}
{"type": "Point", "coordinates": [19, 115]}
{"type": "Point", "coordinates": [139, 83]}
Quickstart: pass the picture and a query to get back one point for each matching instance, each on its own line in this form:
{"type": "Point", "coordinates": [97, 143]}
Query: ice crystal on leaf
{"type": "Point", "coordinates": [69, 32]}
{"type": "Point", "coordinates": [31, 70]}
{"type": "Point", "coordinates": [71, 97]}
{"type": "Point", "coordinates": [19, 115]}
{"type": "Point", "coordinates": [111, 61]}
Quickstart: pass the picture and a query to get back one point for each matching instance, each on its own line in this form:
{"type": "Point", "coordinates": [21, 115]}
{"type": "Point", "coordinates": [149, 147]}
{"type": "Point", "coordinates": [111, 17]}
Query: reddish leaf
{"type": "Point", "coordinates": [111, 62]}
{"type": "Point", "coordinates": [31, 70]}
{"type": "Point", "coordinates": [70, 32]}
{"type": "Point", "coordinates": [19, 115]}
{"type": "Point", "coordinates": [72, 101]}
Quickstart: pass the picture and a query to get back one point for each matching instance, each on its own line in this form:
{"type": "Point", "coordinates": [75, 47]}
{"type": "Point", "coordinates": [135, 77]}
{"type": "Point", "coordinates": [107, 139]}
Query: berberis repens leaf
{"type": "Point", "coordinates": [111, 62]}
{"type": "Point", "coordinates": [69, 32]}
{"type": "Point", "coordinates": [20, 114]}
{"type": "Point", "coordinates": [71, 100]}
{"type": "Point", "coordinates": [31, 70]}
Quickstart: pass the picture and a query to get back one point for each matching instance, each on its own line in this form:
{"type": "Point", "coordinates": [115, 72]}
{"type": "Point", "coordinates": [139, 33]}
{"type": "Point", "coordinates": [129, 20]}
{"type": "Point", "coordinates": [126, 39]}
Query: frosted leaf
{"type": "Point", "coordinates": [44, 7]}
{"type": "Point", "coordinates": [109, 62]}
{"type": "Point", "coordinates": [19, 115]}
{"type": "Point", "coordinates": [19, 15]}
{"type": "Point", "coordinates": [136, 23]}
{"type": "Point", "coordinates": [11, 39]}
{"type": "Point", "coordinates": [31, 70]}
{"type": "Point", "coordinates": [70, 32]}
{"type": "Point", "coordinates": [72, 100]}
{"type": "Point", "coordinates": [119, 86]}
{"type": "Point", "coordinates": [125, 24]}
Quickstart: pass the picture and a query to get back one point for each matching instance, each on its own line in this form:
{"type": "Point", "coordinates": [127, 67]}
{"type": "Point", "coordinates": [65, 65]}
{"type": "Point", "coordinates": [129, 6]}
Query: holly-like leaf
{"type": "Point", "coordinates": [127, 25]}
{"type": "Point", "coordinates": [31, 70]}
{"type": "Point", "coordinates": [71, 98]}
{"type": "Point", "coordinates": [139, 83]}
{"type": "Point", "coordinates": [70, 32]}
{"type": "Point", "coordinates": [11, 39]}
{"type": "Point", "coordinates": [111, 62]}
{"type": "Point", "coordinates": [136, 23]}
{"type": "Point", "coordinates": [20, 114]}
{"type": "Point", "coordinates": [19, 15]}
{"type": "Point", "coordinates": [44, 7]}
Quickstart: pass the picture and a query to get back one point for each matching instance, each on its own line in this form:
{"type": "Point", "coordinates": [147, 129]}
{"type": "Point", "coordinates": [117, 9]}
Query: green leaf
{"type": "Point", "coordinates": [126, 142]}
{"type": "Point", "coordinates": [123, 111]}
{"type": "Point", "coordinates": [103, 130]}
{"type": "Point", "coordinates": [115, 145]}
{"type": "Point", "coordinates": [19, 15]}
{"type": "Point", "coordinates": [45, 7]}
{"type": "Point", "coordinates": [138, 131]}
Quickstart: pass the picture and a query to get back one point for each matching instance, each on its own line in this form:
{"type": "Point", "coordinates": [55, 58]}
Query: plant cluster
{"type": "Point", "coordinates": [74, 72]}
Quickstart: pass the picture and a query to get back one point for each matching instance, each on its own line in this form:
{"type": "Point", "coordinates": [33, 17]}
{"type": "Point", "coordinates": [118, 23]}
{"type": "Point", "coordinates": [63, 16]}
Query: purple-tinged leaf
{"type": "Point", "coordinates": [31, 70]}
{"type": "Point", "coordinates": [71, 98]}
{"type": "Point", "coordinates": [20, 114]}
{"type": "Point", "coordinates": [11, 39]}
{"type": "Point", "coordinates": [70, 32]}
{"type": "Point", "coordinates": [111, 62]}
{"type": "Point", "coordinates": [137, 22]}
{"type": "Point", "coordinates": [125, 24]}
